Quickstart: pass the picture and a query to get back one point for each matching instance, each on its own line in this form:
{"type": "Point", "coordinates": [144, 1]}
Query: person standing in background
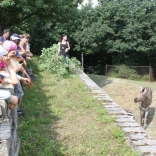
{"type": "Point", "coordinates": [63, 49]}
{"type": "Point", "coordinates": [5, 36]}
{"type": "Point", "coordinates": [63, 46]}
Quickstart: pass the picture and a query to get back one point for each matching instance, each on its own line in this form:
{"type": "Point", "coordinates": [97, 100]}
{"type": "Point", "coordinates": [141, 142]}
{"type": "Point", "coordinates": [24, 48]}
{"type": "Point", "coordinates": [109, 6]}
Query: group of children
{"type": "Point", "coordinates": [14, 54]}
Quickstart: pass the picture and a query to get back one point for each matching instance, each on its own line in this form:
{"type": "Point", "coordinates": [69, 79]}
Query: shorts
{"type": "Point", "coordinates": [6, 95]}
{"type": "Point", "coordinates": [18, 90]}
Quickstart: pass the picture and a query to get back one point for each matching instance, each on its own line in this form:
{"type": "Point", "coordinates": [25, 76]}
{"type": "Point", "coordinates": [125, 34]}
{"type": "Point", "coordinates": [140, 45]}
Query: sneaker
{"type": "Point", "coordinates": [20, 112]}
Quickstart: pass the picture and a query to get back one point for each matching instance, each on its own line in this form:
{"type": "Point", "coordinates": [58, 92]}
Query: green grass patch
{"type": "Point", "coordinates": [63, 119]}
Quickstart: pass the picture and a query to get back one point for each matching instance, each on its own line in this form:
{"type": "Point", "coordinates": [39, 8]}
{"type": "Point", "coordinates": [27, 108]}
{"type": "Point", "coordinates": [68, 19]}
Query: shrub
{"type": "Point", "coordinates": [145, 78]}
{"type": "Point", "coordinates": [134, 77]}
{"type": "Point", "coordinates": [51, 61]}
{"type": "Point", "coordinates": [122, 71]}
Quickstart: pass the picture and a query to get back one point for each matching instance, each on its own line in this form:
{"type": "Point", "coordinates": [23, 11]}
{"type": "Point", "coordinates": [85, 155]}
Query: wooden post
{"type": "Point", "coordinates": [82, 61]}
{"type": "Point", "coordinates": [106, 70]}
{"type": "Point", "coordinates": [150, 73]}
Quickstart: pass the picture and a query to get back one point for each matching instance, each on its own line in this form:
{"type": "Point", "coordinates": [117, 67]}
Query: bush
{"type": "Point", "coordinates": [125, 72]}
{"type": "Point", "coordinates": [122, 71]}
{"type": "Point", "coordinates": [145, 78]}
{"type": "Point", "coordinates": [51, 61]}
{"type": "Point", "coordinates": [134, 77]}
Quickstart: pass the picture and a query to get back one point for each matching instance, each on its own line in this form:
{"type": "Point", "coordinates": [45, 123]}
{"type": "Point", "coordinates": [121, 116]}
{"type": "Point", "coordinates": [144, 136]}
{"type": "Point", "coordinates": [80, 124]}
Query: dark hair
{"type": "Point", "coordinates": [25, 35]}
{"type": "Point", "coordinates": [5, 31]}
{"type": "Point", "coordinates": [62, 36]}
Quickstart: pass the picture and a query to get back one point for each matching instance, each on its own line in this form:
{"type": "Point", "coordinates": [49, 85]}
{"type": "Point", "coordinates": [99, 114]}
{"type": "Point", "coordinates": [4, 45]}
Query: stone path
{"type": "Point", "coordinates": [135, 135]}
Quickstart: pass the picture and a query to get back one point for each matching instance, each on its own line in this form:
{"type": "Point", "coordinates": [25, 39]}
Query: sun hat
{"type": "Point", "coordinates": [9, 45]}
{"type": "Point", "coordinates": [3, 51]}
{"type": "Point", "coordinates": [15, 37]}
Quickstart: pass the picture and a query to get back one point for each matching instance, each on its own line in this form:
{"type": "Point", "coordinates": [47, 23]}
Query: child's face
{"type": "Point", "coordinates": [25, 39]}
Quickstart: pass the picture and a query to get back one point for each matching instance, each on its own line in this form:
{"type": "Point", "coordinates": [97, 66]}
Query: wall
{"type": "Point", "coordinates": [9, 140]}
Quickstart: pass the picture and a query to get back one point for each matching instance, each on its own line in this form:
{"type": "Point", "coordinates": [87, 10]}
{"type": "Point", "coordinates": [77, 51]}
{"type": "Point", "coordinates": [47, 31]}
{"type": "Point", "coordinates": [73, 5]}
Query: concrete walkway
{"type": "Point", "coordinates": [135, 135]}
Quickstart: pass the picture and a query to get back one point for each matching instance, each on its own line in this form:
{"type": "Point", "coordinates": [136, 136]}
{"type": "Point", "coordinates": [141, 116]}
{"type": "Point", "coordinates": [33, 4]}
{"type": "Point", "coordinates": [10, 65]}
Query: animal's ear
{"type": "Point", "coordinates": [141, 88]}
{"type": "Point", "coordinates": [144, 90]}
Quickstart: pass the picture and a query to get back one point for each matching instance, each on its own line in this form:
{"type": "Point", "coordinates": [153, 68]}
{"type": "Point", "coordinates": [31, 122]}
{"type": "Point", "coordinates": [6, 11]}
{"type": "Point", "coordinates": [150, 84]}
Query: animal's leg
{"type": "Point", "coordinates": [145, 118]}
{"type": "Point", "coordinates": [141, 118]}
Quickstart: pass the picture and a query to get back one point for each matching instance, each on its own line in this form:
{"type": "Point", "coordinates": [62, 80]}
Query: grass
{"type": "Point", "coordinates": [62, 119]}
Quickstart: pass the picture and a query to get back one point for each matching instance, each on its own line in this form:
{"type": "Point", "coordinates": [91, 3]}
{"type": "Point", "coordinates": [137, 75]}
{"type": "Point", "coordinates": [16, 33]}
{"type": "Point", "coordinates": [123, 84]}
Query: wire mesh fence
{"type": "Point", "coordinates": [141, 70]}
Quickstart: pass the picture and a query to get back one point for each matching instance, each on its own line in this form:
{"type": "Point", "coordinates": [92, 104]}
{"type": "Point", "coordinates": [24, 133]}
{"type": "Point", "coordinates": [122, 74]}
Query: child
{"type": "Point", "coordinates": [4, 94]}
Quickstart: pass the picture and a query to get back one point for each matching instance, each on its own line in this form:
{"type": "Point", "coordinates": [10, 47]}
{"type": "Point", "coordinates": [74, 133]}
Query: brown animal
{"type": "Point", "coordinates": [144, 99]}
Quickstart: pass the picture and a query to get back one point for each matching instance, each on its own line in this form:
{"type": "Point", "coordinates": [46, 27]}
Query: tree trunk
{"type": "Point", "coordinates": [1, 30]}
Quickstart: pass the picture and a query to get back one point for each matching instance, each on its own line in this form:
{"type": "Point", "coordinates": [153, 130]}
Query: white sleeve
{"type": "Point", "coordinates": [19, 77]}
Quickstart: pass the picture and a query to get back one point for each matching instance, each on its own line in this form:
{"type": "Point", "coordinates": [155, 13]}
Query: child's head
{"type": "Point", "coordinates": [3, 51]}
{"type": "Point", "coordinates": [7, 47]}
{"type": "Point", "coordinates": [10, 46]}
{"type": "Point", "coordinates": [25, 37]}
{"type": "Point", "coordinates": [15, 38]}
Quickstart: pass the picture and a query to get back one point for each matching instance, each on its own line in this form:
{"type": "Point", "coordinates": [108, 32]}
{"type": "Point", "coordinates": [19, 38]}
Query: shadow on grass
{"type": "Point", "coordinates": [100, 80]}
{"type": "Point", "coordinates": [37, 129]}
{"type": "Point", "coordinates": [150, 115]}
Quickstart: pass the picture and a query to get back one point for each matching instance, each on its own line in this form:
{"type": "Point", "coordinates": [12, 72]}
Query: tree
{"type": "Point", "coordinates": [14, 12]}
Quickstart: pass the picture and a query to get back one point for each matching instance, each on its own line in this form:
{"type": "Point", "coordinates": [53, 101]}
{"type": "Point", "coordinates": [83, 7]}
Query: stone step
{"type": "Point", "coordinates": [133, 130]}
{"type": "Point", "coordinates": [119, 112]}
{"type": "Point", "coordinates": [124, 118]}
{"type": "Point", "coordinates": [144, 142]}
{"type": "Point", "coordinates": [133, 124]}
{"type": "Point", "coordinates": [147, 149]}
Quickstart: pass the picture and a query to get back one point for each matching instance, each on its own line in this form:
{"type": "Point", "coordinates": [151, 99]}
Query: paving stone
{"type": "Point", "coordinates": [103, 96]}
{"type": "Point", "coordinates": [138, 136]}
{"type": "Point", "coordinates": [111, 106]}
{"type": "Point", "coordinates": [117, 112]}
{"type": "Point", "coordinates": [147, 149]}
{"type": "Point", "coordinates": [106, 97]}
{"type": "Point", "coordinates": [134, 129]}
{"type": "Point", "coordinates": [98, 91]}
{"type": "Point", "coordinates": [126, 124]}
{"type": "Point", "coordinates": [144, 142]}
{"type": "Point", "coordinates": [124, 118]}
{"type": "Point", "coordinates": [114, 109]}
{"type": "Point", "coordinates": [100, 94]}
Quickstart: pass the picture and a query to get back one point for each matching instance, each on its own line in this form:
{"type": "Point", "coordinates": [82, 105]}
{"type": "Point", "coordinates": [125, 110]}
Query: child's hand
{"type": "Point", "coordinates": [9, 62]}
{"type": "Point", "coordinates": [11, 53]}
{"type": "Point", "coordinates": [26, 80]}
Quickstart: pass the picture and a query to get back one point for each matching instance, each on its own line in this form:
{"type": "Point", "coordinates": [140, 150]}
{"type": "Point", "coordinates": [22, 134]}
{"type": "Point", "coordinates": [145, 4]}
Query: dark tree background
{"type": "Point", "coordinates": [114, 32]}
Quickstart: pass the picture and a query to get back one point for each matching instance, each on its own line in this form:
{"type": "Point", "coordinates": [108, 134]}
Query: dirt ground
{"type": "Point", "coordinates": [123, 93]}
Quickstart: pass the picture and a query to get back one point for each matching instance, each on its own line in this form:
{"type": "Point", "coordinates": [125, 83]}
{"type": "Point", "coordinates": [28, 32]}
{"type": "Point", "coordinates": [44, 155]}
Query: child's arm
{"type": "Point", "coordinates": [12, 68]}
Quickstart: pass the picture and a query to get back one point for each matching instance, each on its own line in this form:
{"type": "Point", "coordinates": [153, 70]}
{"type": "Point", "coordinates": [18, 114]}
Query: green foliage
{"type": "Point", "coordinates": [125, 72]}
{"type": "Point", "coordinates": [122, 71]}
{"type": "Point", "coordinates": [32, 65]}
{"type": "Point", "coordinates": [114, 32]}
{"type": "Point", "coordinates": [140, 77]}
{"type": "Point", "coordinates": [135, 77]}
{"type": "Point", "coordinates": [117, 133]}
{"type": "Point", "coordinates": [51, 61]}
